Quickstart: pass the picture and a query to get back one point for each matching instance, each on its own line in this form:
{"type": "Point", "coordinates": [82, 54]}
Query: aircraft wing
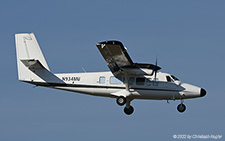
{"type": "Point", "coordinates": [115, 55]}
{"type": "Point", "coordinates": [119, 62]}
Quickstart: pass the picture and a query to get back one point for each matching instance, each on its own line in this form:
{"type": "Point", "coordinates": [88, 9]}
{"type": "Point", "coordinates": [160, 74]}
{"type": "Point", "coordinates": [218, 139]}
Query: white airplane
{"type": "Point", "coordinates": [126, 81]}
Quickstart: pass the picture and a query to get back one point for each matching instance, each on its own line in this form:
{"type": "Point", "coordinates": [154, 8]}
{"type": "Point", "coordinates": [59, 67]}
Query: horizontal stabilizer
{"type": "Point", "coordinates": [32, 63]}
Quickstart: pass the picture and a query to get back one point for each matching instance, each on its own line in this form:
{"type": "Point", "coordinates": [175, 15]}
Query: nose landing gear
{"type": "Point", "coordinates": [181, 107]}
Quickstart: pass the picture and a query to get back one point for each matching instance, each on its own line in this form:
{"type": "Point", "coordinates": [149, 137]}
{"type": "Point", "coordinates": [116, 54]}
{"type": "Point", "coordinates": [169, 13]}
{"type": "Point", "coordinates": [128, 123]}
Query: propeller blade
{"type": "Point", "coordinates": [155, 69]}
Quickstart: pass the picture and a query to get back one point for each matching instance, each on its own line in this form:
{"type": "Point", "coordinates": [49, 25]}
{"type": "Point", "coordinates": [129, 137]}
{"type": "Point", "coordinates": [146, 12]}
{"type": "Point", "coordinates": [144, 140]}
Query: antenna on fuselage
{"type": "Point", "coordinates": [83, 69]}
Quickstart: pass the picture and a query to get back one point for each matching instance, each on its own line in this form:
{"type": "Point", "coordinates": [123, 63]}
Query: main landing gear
{"type": "Point", "coordinates": [121, 100]}
{"type": "Point", "coordinates": [128, 109]}
{"type": "Point", "coordinates": [181, 107]}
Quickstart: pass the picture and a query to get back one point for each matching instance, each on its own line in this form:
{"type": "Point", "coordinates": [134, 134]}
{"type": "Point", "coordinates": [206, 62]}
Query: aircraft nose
{"type": "Point", "coordinates": [202, 92]}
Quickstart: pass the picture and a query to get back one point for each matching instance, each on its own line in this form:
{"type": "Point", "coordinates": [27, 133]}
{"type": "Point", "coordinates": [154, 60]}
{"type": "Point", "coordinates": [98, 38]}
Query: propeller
{"type": "Point", "coordinates": [156, 68]}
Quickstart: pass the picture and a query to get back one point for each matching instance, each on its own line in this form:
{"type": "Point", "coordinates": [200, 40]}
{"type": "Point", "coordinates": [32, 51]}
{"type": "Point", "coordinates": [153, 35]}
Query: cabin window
{"type": "Point", "coordinates": [169, 79]}
{"type": "Point", "coordinates": [115, 80]}
{"type": "Point", "coordinates": [131, 80]}
{"type": "Point", "coordinates": [140, 81]}
{"type": "Point", "coordinates": [102, 80]}
{"type": "Point", "coordinates": [148, 82]}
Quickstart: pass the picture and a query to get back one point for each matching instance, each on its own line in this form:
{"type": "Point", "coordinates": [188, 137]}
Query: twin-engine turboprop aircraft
{"type": "Point", "coordinates": [126, 81]}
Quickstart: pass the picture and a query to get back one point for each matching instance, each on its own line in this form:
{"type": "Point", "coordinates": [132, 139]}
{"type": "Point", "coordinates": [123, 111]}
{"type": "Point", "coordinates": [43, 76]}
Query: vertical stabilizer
{"type": "Point", "coordinates": [29, 57]}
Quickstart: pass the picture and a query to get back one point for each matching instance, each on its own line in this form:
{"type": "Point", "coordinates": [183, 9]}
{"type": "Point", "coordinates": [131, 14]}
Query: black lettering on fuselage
{"type": "Point", "coordinates": [71, 78]}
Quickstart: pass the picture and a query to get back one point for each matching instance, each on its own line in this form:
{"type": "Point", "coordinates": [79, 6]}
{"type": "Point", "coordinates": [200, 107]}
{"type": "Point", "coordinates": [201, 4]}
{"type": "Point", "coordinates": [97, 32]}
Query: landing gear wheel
{"type": "Point", "coordinates": [128, 111]}
{"type": "Point", "coordinates": [121, 100]}
{"type": "Point", "coordinates": [181, 107]}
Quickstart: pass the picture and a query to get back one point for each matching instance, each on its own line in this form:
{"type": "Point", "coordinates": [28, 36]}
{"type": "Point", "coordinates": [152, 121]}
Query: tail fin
{"type": "Point", "coordinates": [29, 58]}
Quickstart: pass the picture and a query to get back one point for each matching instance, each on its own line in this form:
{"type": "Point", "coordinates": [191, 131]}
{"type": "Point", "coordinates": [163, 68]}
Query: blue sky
{"type": "Point", "coordinates": [188, 37]}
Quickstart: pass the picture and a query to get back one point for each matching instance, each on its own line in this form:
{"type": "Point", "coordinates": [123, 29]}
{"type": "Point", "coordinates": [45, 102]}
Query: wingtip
{"type": "Point", "coordinates": [113, 42]}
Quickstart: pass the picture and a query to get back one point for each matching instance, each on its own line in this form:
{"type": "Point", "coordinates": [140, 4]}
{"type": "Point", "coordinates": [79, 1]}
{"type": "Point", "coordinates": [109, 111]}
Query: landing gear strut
{"type": "Point", "coordinates": [181, 107]}
{"type": "Point", "coordinates": [128, 109]}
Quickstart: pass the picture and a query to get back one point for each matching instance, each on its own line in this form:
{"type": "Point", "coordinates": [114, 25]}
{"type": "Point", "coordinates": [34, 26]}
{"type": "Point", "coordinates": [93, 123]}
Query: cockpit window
{"type": "Point", "coordinates": [169, 79]}
{"type": "Point", "coordinates": [176, 79]}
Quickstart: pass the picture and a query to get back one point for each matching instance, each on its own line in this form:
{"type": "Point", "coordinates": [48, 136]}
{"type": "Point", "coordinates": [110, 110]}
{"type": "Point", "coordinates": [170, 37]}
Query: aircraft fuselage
{"type": "Point", "coordinates": [106, 85]}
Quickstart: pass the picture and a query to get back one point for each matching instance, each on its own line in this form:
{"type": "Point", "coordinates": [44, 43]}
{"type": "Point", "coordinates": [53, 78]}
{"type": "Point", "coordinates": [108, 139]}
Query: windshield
{"type": "Point", "coordinates": [176, 79]}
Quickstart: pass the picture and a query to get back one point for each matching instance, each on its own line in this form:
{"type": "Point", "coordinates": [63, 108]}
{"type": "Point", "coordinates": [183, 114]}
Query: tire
{"type": "Point", "coordinates": [181, 108]}
{"type": "Point", "coordinates": [121, 100]}
{"type": "Point", "coordinates": [128, 111]}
